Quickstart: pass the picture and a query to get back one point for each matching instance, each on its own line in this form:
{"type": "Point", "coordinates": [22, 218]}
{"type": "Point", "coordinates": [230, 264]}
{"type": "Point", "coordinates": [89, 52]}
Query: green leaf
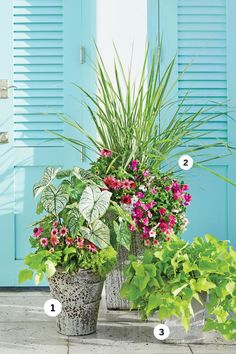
{"type": "Point", "coordinates": [24, 275]}
{"type": "Point", "coordinates": [50, 268]}
{"type": "Point", "coordinates": [230, 287]}
{"type": "Point", "coordinates": [154, 301]}
{"type": "Point", "coordinates": [98, 233]}
{"type": "Point", "coordinates": [48, 176]}
{"type": "Point", "coordinates": [123, 235]}
{"type": "Point", "coordinates": [54, 200]}
{"type": "Point", "coordinates": [88, 177]}
{"type": "Point", "coordinates": [202, 284]}
{"type": "Point", "coordinates": [178, 290]}
{"type": "Point", "coordinates": [63, 174]}
{"type": "Point", "coordinates": [38, 278]}
{"type": "Point", "coordinates": [121, 212]}
{"type": "Point", "coordinates": [94, 203]}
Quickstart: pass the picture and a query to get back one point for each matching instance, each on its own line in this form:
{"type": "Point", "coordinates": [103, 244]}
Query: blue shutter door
{"type": "Point", "coordinates": [41, 42]}
{"type": "Point", "coordinates": [200, 32]}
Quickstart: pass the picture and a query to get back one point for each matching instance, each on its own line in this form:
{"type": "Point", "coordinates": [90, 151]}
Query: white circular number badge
{"type": "Point", "coordinates": [185, 162]}
{"type": "Point", "coordinates": [52, 307]}
{"type": "Point", "coordinates": [161, 331]}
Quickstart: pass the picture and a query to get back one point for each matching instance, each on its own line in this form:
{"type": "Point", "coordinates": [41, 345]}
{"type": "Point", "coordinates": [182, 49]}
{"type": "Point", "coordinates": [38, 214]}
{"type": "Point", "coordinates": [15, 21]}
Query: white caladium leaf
{"type": "Point", "coordinates": [94, 203]}
{"type": "Point", "coordinates": [98, 233]}
{"type": "Point", "coordinates": [88, 177]}
{"type": "Point", "coordinates": [54, 199]}
{"type": "Point", "coordinates": [49, 175]}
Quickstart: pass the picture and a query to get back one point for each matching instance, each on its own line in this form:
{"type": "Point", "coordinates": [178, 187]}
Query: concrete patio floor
{"type": "Point", "coordinates": [24, 328]}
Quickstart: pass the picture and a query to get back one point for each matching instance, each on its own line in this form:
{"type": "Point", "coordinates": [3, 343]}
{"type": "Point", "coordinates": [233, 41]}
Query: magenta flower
{"type": "Point", "coordinates": [140, 195]}
{"type": "Point", "coordinates": [153, 191]}
{"type": "Point", "coordinates": [146, 230]}
{"type": "Point", "coordinates": [146, 173]}
{"type": "Point", "coordinates": [132, 228]}
{"type": "Point", "coordinates": [91, 247]}
{"type": "Point", "coordinates": [106, 153]}
{"type": "Point", "coordinates": [145, 221]}
{"type": "Point", "coordinates": [37, 231]}
{"type": "Point", "coordinates": [162, 211]}
{"type": "Point", "coordinates": [145, 235]}
{"type": "Point", "coordinates": [153, 203]}
{"type": "Point", "coordinates": [167, 189]}
{"type": "Point", "coordinates": [146, 207]}
{"type": "Point", "coordinates": [185, 187]}
{"type": "Point", "coordinates": [55, 224]}
{"type": "Point", "coordinates": [175, 186]}
{"type": "Point", "coordinates": [44, 241]}
{"type": "Point", "coordinates": [134, 165]}
{"type": "Point", "coordinates": [177, 195]}
{"type": "Point", "coordinates": [172, 220]}
{"type": "Point", "coordinates": [138, 213]}
{"type": "Point", "coordinates": [163, 226]}
{"type": "Point", "coordinates": [188, 198]}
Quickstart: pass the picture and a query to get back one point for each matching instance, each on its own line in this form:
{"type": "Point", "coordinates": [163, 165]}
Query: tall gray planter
{"type": "Point", "coordinates": [80, 296]}
{"type": "Point", "coordinates": [115, 278]}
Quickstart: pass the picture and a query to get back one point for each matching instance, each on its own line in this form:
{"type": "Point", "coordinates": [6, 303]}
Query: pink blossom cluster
{"type": "Point", "coordinates": [116, 184]}
{"type": "Point", "coordinates": [59, 236]}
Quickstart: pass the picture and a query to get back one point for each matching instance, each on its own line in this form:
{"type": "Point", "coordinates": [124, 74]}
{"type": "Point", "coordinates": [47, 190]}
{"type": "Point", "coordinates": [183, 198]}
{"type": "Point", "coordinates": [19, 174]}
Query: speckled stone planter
{"type": "Point", "coordinates": [115, 279]}
{"type": "Point", "coordinates": [80, 296]}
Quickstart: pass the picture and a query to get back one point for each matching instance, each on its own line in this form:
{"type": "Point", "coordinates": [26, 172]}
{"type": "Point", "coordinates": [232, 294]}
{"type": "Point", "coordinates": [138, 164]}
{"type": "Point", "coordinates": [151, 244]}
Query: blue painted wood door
{"type": "Point", "coordinates": [201, 33]}
{"type": "Point", "coordinates": [40, 56]}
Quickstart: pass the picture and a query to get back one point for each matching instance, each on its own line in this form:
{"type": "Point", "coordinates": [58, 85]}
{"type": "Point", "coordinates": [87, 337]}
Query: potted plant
{"type": "Point", "coordinates": [173, 280]}
{"type": "Point", "coordinates": [125, 113]}
{"type": "Point", "coordinates": [72, 245]}
{"type": "Point", "coordinates": [157, 205]}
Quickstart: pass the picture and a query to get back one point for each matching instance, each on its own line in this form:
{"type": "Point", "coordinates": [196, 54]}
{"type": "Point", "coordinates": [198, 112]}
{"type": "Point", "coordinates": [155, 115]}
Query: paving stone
{"type": "Point", "coordinates": [213, 349]}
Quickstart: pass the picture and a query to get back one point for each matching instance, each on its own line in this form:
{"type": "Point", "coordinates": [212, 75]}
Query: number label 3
{"type": "Point", "coordinates": [161, 331]}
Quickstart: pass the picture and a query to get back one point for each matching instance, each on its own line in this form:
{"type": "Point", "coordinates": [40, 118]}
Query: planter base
{"type": "Point", "coordinates": [80, 296]}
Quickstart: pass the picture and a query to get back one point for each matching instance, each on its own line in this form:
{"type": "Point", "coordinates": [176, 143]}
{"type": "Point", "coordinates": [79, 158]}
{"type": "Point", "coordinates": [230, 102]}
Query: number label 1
{"type": "Point", "coordinates": [52, 307]}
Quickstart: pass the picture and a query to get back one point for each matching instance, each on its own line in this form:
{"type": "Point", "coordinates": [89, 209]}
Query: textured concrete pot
{"type": "Point", "coordinates": [115, 279]}
{"type": "Point", "coordinates": [80, 296]}
{"type": "Point", "coordinates": [195, 332]}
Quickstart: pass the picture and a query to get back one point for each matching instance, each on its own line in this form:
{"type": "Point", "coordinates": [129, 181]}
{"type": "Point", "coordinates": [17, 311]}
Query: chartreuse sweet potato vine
{"type": "Point", "coordinates": [167, 279]}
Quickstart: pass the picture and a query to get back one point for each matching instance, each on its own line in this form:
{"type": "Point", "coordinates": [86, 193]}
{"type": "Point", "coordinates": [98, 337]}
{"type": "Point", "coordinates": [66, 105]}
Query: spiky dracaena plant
{"type": "Point", "coordinates": [125, 115]}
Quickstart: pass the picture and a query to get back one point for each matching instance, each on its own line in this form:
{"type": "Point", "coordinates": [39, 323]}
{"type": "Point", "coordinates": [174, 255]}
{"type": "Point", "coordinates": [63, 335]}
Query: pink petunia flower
{"type": "Point", "coordinates": [153, 203]}
{"type": "Point", "coordinates": [140, 195]}
{"type": "Point", "coordinates": [37, 231]}
{"type": "Point", "coordinates": [149, 214]}
{"type": "Point", "coordinates": [44, 241]}
{"type": "Point", "coordinates": [146, 207]}
{"type": "Point", "coordinates": [138, 213]}
{"type": "Point", "coordinates": [106, 153]}
{"type": "Point", "coordinates": [145, 221]}
{"type": "Point", "coordinates": [132, 228]}
{"type": "Point", "coordinates": [153, 191]}
{"type": "Point", "coordinates": [152, 233]}
{"type": "Point", "coordinates": [146, 173]}
{"type": "Point", "coordinates": [175, 186]}
{"type": "Point", "coordinates": [177, 195]}
{"type": "Point", "coordinates": [134, 165]}
{"type": "Point", "coordinates": [147, 242]}
{"type": "Point", "coordinates": [172, 220]}
{"type": "Point", "coordinates": [146, 230]}
{"type": "Point", "coordinates": [188, 198]}
{"type": "Point", "coordinates": [145, 235]}
{"type": "Point", "coordinates": [185, 187]}
{"type": "Point", "coordinates": [155, 242]}
{"type": "Point", "coordinates": [163, 226]}
{"type": "Point", "coordinates": [162, 211]}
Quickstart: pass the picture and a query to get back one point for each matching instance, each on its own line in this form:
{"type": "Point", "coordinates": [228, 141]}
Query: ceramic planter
{"type": "Point", "coordinates": [115, 278]}
{"type": "Point", "coordinates": [80, 296]}
{"type": "Point", "coordinates": [195, 332]}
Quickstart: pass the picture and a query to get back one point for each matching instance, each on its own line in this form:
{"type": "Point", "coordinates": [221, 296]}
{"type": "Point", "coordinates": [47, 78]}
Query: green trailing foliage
{"type": "Point", "coordinates": [167, 279]}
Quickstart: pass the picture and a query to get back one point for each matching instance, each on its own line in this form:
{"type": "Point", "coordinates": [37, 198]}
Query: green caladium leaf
{"type": "Point", "coordinates": [63, 174]}
{"type": "Point", "coordinates": [94, 203]}
{"type": "Point", "coordinates": [98, 233]}
{"type": "Point", "coordinates": [88, 177]}
{"type": "Point", "coordinates": [123, 235]}
{"type": "Point", "coordinates": [54, 199]}
{"type": "Point", "coordinates": [49, 175]}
